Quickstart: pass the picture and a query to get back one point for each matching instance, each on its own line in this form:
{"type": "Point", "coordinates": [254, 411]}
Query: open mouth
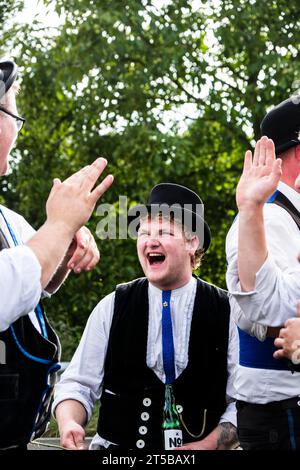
{"type": "Point", "coordinates": [155, 259]}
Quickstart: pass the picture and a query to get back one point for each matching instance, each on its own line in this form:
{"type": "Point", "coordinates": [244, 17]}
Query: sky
{"type": "Point", "coordinates": [49, 18]}
{"type": "Point", "coordinates": [36, 7]}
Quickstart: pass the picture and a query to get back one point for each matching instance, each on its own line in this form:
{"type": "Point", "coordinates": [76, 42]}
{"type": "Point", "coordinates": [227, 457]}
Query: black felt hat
{"type": "Point", "coordinates": [8, 74]}
{"type": "Point", "coordinates": [179, 200]}
{"type": "Point", "coordinates": [282, 124]}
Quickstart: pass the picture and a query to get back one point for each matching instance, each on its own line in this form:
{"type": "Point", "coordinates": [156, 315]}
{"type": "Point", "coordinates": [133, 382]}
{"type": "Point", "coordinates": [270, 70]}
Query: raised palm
{"type": "Point", "coordinates": [260, 176]}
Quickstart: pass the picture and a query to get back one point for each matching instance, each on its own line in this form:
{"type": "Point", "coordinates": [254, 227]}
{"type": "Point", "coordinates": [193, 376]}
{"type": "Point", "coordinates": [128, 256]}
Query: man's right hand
{"type": "Point", "coordinates": [72, 436]}
{"type": "Point", "coordinates": [71, 202]}
{"type": "Point", "coordinates": [260, 176]}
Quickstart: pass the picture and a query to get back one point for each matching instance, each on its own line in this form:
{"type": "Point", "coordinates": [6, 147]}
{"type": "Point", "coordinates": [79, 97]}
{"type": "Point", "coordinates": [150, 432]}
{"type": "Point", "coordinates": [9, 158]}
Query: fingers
{"type": "Point", "coordinates": [270, 152]}
{"type": "Point", "coordinates": [101, 188]}
{"type": "Point", "coordinates": [256, 153]}
{"type": "Point", "coordinates": [78, 440]}
{"type": "Point", "coordinates": [247, 161]}
{"type": "Point", "coordinates": [263, 151]}
{"type": "Point", "coordinates": [279, 342]}
{"type": "Point", "coordinates": [73, 440]}
{"type": "Point", "coordinates": [87, 261]}
{"type": "Point", "coordinates": [55, 186]}
{"type": "Point", "coordinates": [86, 254]}
{"type": "Point", "coordinates": [93, 173]}
{"type": "Point", "coordinates": [280, 354]}
{"type": "Point", "coordinates": [78, 176]}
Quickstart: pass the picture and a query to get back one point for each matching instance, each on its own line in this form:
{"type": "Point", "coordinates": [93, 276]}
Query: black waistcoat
{"type": "Point", "coordinates": [133, 397]}
{"type": "Point", "coordinates": [26, 385]}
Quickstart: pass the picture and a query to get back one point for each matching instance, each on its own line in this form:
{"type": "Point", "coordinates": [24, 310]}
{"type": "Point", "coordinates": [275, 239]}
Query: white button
{"type": "Point", "coordinates": [179, 408]}
{"type": "Point", "coordinates": [298, 403]}
{"type": "Point", "coordinates": [140, 444]}
{"type": "Point", "coordinates": [143, 430]}
{"type": "Point", "coordinates": [145, 416]}
{"type": "Point", "coordinates": [146, 402]}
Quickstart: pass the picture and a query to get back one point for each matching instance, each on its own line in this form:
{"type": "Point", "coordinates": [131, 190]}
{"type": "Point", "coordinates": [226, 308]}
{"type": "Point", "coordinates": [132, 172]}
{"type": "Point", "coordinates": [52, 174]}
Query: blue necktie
{"type": "Point", "coordinates": [167, 338]}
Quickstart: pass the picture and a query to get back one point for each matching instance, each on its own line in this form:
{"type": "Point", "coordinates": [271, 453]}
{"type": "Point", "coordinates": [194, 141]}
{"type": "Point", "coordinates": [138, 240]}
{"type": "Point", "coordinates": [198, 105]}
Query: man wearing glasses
{"type": "Point", "coordinates": [19, 120]}
{"type": "Point", "coordinates": [32, 263]}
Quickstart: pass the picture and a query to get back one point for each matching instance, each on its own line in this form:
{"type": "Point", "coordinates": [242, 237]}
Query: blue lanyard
{"type": "Point", "coordinates": [167, 338]}
{"type": "Point", "coordinates": [10, 229]}
{"type": "Point", "coordinates": [38, 310]}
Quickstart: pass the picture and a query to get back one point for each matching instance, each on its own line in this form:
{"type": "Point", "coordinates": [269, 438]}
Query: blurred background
{"type": "Point", "coordinates": [167, 91]}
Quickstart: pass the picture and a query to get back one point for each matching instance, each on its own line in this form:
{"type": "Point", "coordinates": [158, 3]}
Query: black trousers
{"type": "Point", "coordinates": [272, 426]}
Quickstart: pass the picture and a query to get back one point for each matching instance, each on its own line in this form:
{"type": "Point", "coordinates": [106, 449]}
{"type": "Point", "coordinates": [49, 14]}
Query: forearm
{"type": "Point", "coordinates": [59, 277]}
{"type": "Point", "coordinates": [252, 247]}
{"type": "Point", "coordinates": [48, 250]}
{"type": "Point", "coordinates": [227, 436]}
{"type": "Point", "coordinates": [223, 437]}
{"type": "Point", "coordinates": [70, 410]}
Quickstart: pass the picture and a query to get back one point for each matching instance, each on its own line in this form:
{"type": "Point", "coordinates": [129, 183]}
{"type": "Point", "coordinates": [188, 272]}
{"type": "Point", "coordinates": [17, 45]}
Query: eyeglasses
{"type": "Point", "coordinates": [19, 120]}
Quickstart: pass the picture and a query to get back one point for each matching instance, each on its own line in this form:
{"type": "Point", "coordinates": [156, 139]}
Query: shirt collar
{"type": "Point", "coordinates": [176, 292]}
{"type": "Point", "coordinates": [290, 193]}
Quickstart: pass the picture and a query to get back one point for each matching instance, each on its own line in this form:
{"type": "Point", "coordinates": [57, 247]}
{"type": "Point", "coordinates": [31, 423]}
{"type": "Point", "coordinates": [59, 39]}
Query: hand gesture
{"type": "Point", "coordinates": [260, 176]}
{"type": "Point", "coordinates": [72, 437]}
{"type": "Point", "coordinates": [289, 339]}
{"type": "Point", "coordinates": [83, 254]}
{"type": "Point", "coordinates": [71, 202]}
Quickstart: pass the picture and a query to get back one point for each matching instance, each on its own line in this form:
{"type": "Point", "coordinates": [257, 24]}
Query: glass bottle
{"type": "Point", "coordinates": [171, 421]}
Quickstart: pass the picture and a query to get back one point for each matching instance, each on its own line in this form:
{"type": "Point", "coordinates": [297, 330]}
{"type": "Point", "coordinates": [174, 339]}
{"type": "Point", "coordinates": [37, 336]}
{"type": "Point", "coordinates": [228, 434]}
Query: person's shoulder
{"type": "Point", "coordinates": [10, 213]}
{"type": "Point", "coordinates": [13, 217]}
{"type": "Point", "coordinates": [105, 300]}
{"type": "Point", "coordinates": [213, 288]}
{"type": "Point", "coordinates": [103, 307]}
{"type": "Point", "coordinates": [276, 216]}
{"type": "Point", "coordinates": [127, 286]}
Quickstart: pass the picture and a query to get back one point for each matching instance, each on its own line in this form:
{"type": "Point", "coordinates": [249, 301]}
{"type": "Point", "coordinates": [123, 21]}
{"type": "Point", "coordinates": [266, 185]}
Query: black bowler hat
{"type": "Point", "coordinates": [180, 201]}
{"type": "Point", "coordinates": [282, 124]}
{"type": "Point", "coordinates": [8, 74]}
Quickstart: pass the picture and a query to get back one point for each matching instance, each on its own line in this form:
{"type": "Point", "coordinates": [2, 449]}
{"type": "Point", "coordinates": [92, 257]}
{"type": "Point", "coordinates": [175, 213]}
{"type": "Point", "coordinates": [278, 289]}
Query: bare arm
{"type": "Point", "coordinates": [71, 417]}
{"type": "Point", "coordinates": [258, 182]}
{"type": "Point", "coordinates": [223, 437]}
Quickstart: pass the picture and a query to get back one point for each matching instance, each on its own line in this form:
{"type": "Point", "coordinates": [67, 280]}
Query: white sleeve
{"type": "Point", "coordinates": [20, 286]}
{"type": "Point", "coordinates": [82, 380]}
{"type": "Point", "coordinates": [277, 286]}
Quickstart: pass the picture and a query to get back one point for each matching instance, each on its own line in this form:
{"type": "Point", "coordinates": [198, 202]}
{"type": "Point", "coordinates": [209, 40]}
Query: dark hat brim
{"type": "Point", "coordinates": [279, 149]}
{"type": "Point", "coordinates": [202, 228]}
{"type": "Point", "coordinates": [8, 74]}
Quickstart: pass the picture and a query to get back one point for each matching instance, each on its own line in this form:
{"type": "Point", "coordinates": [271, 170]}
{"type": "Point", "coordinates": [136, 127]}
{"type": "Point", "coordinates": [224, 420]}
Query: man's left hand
{"type": "Point", "coordinates": [289, 339]}
{"type": "Point", "coordinates": [83, 252]}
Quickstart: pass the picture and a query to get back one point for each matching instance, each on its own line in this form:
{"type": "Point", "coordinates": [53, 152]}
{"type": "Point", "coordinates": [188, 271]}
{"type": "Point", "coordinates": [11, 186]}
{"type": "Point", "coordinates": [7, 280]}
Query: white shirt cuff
{"type": "Point", "coordinates": [229, 415]}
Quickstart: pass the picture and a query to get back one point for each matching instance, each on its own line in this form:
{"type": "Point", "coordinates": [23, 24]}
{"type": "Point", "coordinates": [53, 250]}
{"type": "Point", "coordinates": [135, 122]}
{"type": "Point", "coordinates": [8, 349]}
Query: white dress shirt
{"type": "Point", "coordinates": [82, 381]}
{"type": "Point", "coordinates": [20, 273]}
{"type": "Point", "coordinates": [272, 302]}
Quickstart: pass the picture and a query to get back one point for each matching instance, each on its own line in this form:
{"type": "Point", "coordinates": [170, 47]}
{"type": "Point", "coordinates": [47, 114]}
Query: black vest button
{"type": "Point", "coordinates": [140, 444]}
{"type": "Point", "coordinates": [143, 430]}
{"type": "Point", "coordinates": [147, 402]}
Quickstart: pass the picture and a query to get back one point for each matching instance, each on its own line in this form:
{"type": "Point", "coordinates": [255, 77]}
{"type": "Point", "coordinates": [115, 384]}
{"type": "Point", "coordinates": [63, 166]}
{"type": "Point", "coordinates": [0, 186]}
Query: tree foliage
{"type": "Point", "coordinates": [167, 91]}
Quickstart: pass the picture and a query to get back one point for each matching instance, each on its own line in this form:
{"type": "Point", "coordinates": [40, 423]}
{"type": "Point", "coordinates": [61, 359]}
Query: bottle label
{"type": "Point", "coordinates": [173, 438]}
